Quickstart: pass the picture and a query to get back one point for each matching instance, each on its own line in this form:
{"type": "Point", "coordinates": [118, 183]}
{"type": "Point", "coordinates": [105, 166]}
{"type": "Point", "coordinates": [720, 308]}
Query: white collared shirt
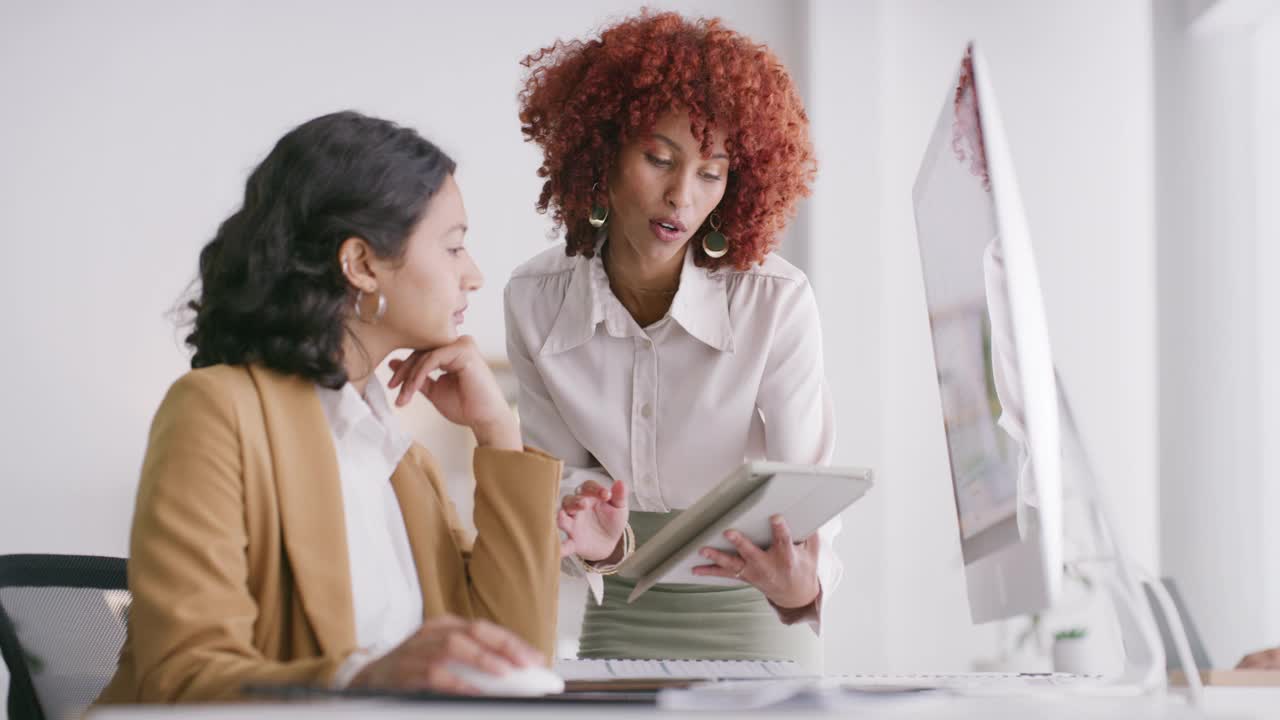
{"type": "Point", "coordinates": [733, 372]}
{"type": "Point", "coordinates": [385, 589]}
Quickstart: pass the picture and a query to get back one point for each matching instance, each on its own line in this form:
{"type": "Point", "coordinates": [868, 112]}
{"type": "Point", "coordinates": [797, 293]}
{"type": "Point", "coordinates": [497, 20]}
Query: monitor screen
{"type": "Point", "coordinates": [968, 305]}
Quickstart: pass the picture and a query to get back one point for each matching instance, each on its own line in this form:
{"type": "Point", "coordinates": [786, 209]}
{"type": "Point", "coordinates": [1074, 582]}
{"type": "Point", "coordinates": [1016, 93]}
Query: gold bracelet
{"type": "Point", "coordinates": [628, 547]}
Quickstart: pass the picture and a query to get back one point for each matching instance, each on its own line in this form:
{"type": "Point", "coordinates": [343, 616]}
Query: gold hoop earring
{"type": "Point", "coordinates": [714, 243]}
{"type": "Point", "coordinates": [599, 215]}
{"type": "Point", "coordinates": [377, 314]}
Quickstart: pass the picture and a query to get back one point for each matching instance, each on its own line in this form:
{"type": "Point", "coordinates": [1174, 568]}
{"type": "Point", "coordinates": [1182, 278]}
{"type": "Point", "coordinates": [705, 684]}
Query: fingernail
{"type": "Point", "coordinates": [706, 554]}
{"type": "Point", "coordinates": [731, 534]}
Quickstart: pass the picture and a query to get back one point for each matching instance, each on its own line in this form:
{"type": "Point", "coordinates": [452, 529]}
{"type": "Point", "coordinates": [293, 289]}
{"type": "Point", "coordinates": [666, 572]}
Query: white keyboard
{"type": "Point", "coordinates": [965, 681]}
{"type": "Point", "coordinates": [577, 669]}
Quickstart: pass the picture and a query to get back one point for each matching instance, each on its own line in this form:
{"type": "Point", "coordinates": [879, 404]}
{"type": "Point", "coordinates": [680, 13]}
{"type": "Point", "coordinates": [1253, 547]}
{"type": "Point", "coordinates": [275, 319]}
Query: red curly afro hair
{"type": "Point", "coordinates": [583, 100]}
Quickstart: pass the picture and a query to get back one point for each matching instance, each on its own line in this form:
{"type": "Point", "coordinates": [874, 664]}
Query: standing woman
{"type": "Point", "coordinates": [665, 343]}
{"type": "Point", "coordinates": [286, 530]}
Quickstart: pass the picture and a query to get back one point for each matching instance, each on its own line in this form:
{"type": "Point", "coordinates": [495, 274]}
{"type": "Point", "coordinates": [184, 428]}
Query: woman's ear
{"type": "Point", "coordinates": [356, 259]}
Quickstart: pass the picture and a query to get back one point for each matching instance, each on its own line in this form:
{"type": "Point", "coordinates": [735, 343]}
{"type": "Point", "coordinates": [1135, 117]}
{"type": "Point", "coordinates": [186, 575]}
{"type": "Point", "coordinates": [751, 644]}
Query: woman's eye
{"type": "Point", "coordinates": [711, 176]}
{"type": "Point", "coordinates": [660, 162]}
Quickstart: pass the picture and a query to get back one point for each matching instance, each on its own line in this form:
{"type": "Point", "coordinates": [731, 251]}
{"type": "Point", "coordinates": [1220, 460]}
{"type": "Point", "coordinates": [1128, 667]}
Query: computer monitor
{"type": "Point", "coordinates": [991, 348]}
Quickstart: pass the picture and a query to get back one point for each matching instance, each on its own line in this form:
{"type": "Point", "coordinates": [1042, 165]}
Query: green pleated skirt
{"type": "Point", "coordinates": [678, 621]}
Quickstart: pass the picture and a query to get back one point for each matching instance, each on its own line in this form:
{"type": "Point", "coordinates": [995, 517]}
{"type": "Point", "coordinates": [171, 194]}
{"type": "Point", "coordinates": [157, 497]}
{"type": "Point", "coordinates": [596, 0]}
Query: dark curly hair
{"type": "Point", "coordinates": [583, 100]}
{"type": "Point", "coordinates": [271, 290]}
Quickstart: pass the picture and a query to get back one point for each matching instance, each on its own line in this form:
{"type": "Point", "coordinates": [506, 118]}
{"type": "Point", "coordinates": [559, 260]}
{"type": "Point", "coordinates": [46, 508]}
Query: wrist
{"type": "Point", "coordinates": [797, 602]}
{"type": "Point", "coordinates": [626, 546]}
{"type": "Point", "coordinates": [498, 435]}
{"type": "Point", "coordinates": [614, 557]}
{"type": "Point", "coordinates": [364, 679]}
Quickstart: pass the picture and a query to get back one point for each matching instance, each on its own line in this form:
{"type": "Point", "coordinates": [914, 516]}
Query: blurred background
{"type": "Point", "coordinates": [1143, 133]}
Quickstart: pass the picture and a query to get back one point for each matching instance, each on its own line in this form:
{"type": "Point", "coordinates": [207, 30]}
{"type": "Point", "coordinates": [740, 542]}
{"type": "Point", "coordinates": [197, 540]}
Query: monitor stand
{"type": "Point", "coordinates": [1144, 662]}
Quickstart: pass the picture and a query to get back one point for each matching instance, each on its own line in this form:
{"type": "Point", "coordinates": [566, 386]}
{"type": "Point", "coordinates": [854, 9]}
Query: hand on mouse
{"type": "Point", "coordinates": [422, 661]}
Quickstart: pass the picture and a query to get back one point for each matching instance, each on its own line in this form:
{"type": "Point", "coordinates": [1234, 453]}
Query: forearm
{"type": "Point", "coordinates": [514, 565]}
{"type": "Point", "coordinates": [210, 675]}
{"type": "Point", "coordinates": [501, 434]}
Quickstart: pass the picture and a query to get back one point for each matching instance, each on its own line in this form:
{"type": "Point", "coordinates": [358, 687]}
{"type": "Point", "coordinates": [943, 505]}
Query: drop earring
{"type": "Point", "coordinates": [599, 214]}
{"type": "Point", "coordinates": [714, 243]}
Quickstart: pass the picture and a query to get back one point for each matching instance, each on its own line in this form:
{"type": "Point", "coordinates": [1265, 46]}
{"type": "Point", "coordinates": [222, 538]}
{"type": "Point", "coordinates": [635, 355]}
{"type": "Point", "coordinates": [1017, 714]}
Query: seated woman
{"type": "Point", "coordinates": [286, 530]}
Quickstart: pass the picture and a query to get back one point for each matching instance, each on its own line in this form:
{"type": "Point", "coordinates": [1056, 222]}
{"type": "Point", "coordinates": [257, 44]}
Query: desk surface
{"type": "Point", "coordinates": [1263, 704]}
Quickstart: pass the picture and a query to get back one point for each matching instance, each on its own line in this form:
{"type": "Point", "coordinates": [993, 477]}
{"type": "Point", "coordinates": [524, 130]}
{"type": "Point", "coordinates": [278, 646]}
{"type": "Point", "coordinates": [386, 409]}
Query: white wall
{"type": "Point", "coordinates": [844, 267]}
{"type": "Point", "coordinates": [1218, 108]}
{"type": "Point", "coordinates": [1266, 60]}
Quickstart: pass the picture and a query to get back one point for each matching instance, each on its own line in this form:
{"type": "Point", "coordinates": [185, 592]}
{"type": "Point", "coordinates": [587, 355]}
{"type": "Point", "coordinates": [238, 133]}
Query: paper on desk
{"type": "Point", "coordinates": [822, 693]}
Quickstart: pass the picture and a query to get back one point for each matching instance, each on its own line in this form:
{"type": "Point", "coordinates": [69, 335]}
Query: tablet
{"type": "Point", "coordinates": [807, 496]}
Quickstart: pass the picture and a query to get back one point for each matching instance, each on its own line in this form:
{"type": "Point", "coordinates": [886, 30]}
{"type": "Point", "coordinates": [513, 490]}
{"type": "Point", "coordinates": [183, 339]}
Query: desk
{"type": "Point", "coordinates": [1245, 703]}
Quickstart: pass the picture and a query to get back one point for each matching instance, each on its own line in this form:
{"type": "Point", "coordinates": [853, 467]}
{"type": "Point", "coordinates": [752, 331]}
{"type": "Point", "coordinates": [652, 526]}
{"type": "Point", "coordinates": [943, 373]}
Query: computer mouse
{"type": "Point", "coordinates": [531, 681]}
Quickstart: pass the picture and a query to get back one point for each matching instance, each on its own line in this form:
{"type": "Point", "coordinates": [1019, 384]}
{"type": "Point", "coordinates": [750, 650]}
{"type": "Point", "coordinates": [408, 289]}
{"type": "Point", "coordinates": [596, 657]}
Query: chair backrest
{"type": "Point", "coordinates": [62, 622]}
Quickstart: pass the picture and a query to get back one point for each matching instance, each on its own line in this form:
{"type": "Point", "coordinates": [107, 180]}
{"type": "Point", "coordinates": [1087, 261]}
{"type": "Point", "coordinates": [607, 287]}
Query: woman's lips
{"type": "Point", "coordinates": [665, 234]}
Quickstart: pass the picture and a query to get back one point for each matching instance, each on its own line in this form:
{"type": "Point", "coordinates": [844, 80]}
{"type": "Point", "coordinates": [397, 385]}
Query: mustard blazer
{"type": "Point", "coordinates": [238, 557]}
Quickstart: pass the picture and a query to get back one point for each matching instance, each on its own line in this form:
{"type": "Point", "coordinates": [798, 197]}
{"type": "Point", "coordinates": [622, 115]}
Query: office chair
{"type": "Point", "coordinates": [62, 622]}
